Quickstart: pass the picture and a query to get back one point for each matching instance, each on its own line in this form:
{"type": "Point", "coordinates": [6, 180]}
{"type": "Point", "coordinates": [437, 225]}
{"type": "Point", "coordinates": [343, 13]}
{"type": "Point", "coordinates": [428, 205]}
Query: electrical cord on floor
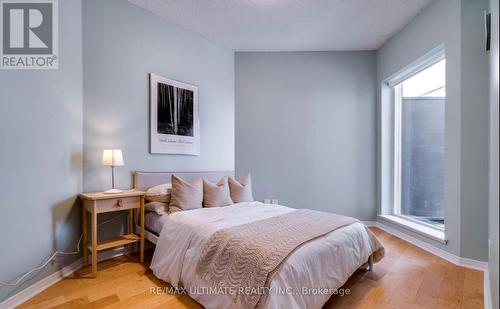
{"type": "Point", "coordinates": [21, 278]}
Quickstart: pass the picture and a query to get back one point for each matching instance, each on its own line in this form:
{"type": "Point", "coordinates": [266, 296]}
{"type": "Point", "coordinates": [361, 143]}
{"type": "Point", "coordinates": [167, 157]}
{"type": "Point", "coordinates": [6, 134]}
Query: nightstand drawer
{"type": "Point", "coordinates": [116, 204]}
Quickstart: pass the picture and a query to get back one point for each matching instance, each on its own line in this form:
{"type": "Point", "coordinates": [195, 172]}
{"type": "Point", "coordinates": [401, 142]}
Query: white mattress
{"type": "Point", "coordinates": [154, 222]}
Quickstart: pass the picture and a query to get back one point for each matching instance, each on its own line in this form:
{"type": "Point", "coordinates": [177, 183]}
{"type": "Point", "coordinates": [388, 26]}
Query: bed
{"type": "Point", "coordinates": [307, 278]}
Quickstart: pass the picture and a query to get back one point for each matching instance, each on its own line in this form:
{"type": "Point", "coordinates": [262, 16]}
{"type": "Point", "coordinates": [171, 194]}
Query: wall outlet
{"type": "Point", "coordinates": [267, 201]}
{"type": "Point", "coordinates": [274, 201]}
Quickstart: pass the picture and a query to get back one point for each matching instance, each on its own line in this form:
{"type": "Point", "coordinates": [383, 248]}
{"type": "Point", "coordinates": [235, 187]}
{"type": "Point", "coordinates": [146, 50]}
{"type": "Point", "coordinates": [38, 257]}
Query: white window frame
{"type": "Point", "coordinates": [396, 191]}
{"type": "Point", "coordinates": [394, 83]}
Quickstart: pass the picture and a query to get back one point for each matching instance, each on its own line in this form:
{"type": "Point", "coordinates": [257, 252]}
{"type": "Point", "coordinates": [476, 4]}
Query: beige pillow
{"type": "Point", "coordinates": [185, 196]}
{"type": "Point", "coordinates": [159, 193]}
{"type": "Point", "coordinates": [216, 194]}
{"type": "Point", "coordinates": [241, 191]}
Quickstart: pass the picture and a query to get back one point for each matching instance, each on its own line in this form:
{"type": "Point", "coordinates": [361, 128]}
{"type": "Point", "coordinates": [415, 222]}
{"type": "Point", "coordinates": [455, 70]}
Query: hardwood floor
{"type": "Point", "coordinates": [407, 277]}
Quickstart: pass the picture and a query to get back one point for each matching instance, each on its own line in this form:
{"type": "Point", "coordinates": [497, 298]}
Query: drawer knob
{"type": "Point", "coordinates": [119, 203]}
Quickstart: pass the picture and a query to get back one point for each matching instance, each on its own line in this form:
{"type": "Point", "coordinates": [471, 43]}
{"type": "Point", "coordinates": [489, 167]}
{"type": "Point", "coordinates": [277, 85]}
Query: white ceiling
{"type": "Point", "coordinates": [290, 25]}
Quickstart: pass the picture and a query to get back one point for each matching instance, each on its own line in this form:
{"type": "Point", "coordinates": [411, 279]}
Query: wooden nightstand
{"type": "Point", "coordinates": [97, 203]}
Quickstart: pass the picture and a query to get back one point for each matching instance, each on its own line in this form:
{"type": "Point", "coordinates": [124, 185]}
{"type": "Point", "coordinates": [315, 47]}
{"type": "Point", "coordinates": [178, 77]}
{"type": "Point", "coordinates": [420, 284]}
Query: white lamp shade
{"type": "Point", "coordinates": [112, 157]}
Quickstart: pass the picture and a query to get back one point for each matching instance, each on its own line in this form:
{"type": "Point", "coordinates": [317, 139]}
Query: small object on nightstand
{"type": "Point", "coordinates": [100, 202]}
{"type": "Point", "coordinates": [112, 157]}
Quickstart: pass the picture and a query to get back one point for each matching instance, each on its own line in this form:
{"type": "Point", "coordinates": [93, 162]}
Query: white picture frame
{"type": "Point", "coordinates": [174, 122]}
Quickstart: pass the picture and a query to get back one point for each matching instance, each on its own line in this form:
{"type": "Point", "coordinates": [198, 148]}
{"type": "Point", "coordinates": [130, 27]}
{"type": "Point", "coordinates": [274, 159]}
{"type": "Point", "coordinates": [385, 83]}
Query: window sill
{"type": "Point", "coordinates": [422, 229]}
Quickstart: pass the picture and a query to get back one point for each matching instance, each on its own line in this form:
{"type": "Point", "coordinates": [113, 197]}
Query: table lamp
{"type": "Point", "coordinates": [112, 157]}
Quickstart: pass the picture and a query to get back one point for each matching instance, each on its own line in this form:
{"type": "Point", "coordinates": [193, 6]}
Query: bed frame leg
{"type": "Point", "coordinates": [370, 263]}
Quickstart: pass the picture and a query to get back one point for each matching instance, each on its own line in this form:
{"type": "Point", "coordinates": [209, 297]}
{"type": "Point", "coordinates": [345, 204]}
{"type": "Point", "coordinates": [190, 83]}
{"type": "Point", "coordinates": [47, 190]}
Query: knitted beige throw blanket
{"type": "Point", "coordinates": [243, 259]}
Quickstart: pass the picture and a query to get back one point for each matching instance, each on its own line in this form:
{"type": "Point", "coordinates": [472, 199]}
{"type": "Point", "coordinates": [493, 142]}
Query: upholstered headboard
{"type": "Point", "coordinates": [146, 180]}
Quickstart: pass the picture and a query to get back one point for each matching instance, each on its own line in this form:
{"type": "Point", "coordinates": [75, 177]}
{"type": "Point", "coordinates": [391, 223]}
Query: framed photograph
{"type": "Point", "coordinates": [174, 123]}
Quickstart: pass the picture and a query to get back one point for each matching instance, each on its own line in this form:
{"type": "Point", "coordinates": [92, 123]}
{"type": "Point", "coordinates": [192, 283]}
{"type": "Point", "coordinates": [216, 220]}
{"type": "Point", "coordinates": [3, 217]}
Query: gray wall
{"type": "Point", "coordinates": [305, 129]}
{"type": "Point", "coordinates": [123, 43]}
{"type": "Point", "coordinates": [475, 127]}
{"type": "Point", "coordinates": [48, 116]}
{"type": "Point", "coordinates": [435, 25]}
{"type": "Point", "coordinates": [41, 157]}
{"type": "Point", "coordinates": [466, 132]}
{"type": "Point", "coordinates": [494, 159]}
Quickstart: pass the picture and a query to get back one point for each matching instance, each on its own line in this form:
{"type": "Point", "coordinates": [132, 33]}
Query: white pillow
{"type": "Point", "coordinates": [241, 191]}
{"type": "Point", "coordinates": [158, 207]}
{"type": "Point", "coordinates": [216, 194]}
{"type": "Point", "coordinates": [186, 195]}
{"type": "Point", "coordinates": [159, 193]}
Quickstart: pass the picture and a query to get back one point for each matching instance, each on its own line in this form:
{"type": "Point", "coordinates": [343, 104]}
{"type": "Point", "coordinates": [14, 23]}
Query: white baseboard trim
{"type": "Point", "coordinates": [487, 290]}
{"type": "Point", "coordinates": [460, 261]}
{"type": "Point", "coordinates": [43, 284]}
{"type": "Point", "coordinates": [370, 223]}
{"type": "Point", "coordinates": [26, 294]}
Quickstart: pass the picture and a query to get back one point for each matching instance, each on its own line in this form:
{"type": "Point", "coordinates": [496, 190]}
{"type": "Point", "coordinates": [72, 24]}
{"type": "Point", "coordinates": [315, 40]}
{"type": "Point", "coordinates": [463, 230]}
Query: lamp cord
{"type": "Point", "coordinates": [21, 278]}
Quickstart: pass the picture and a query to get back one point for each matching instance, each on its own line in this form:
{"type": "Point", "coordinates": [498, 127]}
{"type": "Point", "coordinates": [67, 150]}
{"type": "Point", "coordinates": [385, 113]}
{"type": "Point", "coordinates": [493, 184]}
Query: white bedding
{"type": "Point", "coordinates": [154, 222]}
{"type": "Point", "coordinates": [325, 262]}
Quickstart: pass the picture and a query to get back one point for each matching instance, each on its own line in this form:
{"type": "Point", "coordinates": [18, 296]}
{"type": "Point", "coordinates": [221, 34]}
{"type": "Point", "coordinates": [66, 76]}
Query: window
{"type": "Point", "coordinates": [419, 105]}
